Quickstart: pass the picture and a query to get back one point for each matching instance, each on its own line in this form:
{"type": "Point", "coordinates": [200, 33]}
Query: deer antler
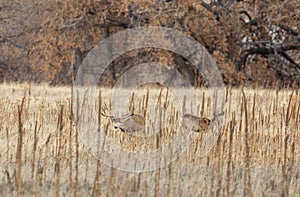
{"type": "Point", "coordinates": [104, 110]}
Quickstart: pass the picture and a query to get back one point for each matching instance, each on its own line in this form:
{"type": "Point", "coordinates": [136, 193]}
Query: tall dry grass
{"type": "Point", "coordinates": [256, 154]}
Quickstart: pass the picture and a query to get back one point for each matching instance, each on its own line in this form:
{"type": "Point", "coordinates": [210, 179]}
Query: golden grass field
{"type": "Point", "coordinates": [257, 153]}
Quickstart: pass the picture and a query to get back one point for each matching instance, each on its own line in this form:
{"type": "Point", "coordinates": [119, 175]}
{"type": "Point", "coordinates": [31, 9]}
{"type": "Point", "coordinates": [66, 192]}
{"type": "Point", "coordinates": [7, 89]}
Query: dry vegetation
{"type": "Point", "coordinates": [256, 154]}
{"type": "Point", "coordinates": [252, 42]}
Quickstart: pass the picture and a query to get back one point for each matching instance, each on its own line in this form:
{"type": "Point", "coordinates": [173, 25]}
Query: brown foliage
{"type": "Point", "coordinates": [252, 42]}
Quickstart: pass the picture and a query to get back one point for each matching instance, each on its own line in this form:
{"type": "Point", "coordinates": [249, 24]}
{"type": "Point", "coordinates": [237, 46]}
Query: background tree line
{"type": "Point", "coordinates": [252, 42]}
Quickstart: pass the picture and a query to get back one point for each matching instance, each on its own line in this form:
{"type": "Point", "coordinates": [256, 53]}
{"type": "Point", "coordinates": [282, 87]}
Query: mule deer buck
{"type": "Point", "coordinates": [127, 123]}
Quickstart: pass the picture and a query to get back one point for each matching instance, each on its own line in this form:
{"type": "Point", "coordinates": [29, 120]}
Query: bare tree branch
{"type": "Point", "coordinates": [269, 51]}
{"type": "Point", "coordinates": [12, 43]}
{"type": "Point", "coordinates": [289, 30]}
{"type": "Point", "coordinates": [120, 21]}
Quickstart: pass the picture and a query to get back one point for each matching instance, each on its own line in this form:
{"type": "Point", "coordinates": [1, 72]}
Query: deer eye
{"type": "Point", "coordinates": [115, 119]}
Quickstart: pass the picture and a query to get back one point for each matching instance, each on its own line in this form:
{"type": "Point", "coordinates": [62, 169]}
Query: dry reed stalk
{"type": "Point", "coordinates": [146, 103]}
{"type": "Point", "coordinates": [227, 93]}
{"type": "Point", "coordinates": [86, 170]}
{"type": "Point", "coordinates": [288, 114]}
{"type": "Point", "coordinates": [228, 173]}
{"type": "Point", "coordinates": [240, 134]}
{"type": "Point", "coordinates": [229, 114]}
{"type": "Point", "coordinates": [76, 165]}
{"type": "Point", "coordinates": [297, 118]}
{"type": "Point", "coordinates": [203, 104]}
{"type": "Point", "coordinates": [7, 159]}
{"type": "Point", "coordinates": [78, 108]}
{"type": "Point", "coordinates": [158, 142]}
{"type": "Point", "coordinates": [34, 148]}
{"type": "Point", "coordinates": [293, 153]}
{"type": "Point", "coordinates": [279, 138]}
{"type": "Point", "coordinates": [71, 119]}
{"type": "Point", "coordinates": [25, 146]}
{"type": "Point", "coordinates": [211, 186]}
{"type": "Point", "coordinates": [166, 103]}
{"type": "Point", "coordinates": [77, 148]}
{"type": "Point", "coordinates": [159, 97]}
{"type": "Point", "coordinates": [6, 173]}
{"type": "Point", "coordinates": [19, 148]}
{"type": "Point", "coordinates": [97, 185]}
{"type": "Point", "coordinates": [287, 136]}
{"type": "Point", "coordinates": [253, 114]}
{"type": "Point", "coordinates": [7, 144]}
{"type": "Point", "coordinates": [234, 134]}
{"type": "Point", "coordinates": [35, 140]}
{"type": "Point", "coordinates": [247, 179]}
{"type": "Point", "coordinates": [58, 150]}
{"type": "Point", "coordinates": [219, 170]}
{"type": "Point", "coordinates": [169, 180]}
{"type": "Point", "coordinates": [284, 167]}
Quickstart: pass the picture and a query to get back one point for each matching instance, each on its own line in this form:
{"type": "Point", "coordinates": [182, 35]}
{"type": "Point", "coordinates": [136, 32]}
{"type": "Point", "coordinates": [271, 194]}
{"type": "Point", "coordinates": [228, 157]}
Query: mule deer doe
{"type": "Point", "coordinates": [196, 123]}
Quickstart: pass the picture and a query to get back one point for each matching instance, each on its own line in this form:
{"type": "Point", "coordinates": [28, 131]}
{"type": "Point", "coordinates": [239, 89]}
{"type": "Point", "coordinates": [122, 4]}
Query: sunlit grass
{"type": "Point", "coordinates": [52, 160]}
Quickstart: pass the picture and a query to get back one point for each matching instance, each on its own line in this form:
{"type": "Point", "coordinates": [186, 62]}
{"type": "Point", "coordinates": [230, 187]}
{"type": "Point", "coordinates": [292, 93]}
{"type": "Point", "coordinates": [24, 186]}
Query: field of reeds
{"type": "Point", "coordinates": [42, 152]}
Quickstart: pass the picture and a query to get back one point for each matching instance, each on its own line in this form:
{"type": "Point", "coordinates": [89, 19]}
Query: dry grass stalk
{"type": "Point", "coordinates": [248, 189]}
{"type": "Point", "coordinates": [76, 165]}
{"type": "Point", "coordinates": [228, 173]}
{"type": "Point", "coordinates": [71, 120]}
{"type": "Point", "coordinates": [60, 127]}
{"type": "Point", "coordinates": [19, 148]}
{"type": "Point", "coordinates": [288, 114]}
